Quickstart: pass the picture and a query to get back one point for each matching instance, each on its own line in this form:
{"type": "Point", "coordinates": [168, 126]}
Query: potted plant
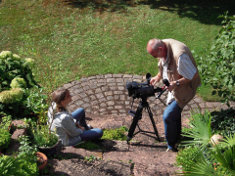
{"type": "Point", "coordinates": [41, 160]}
{"type": "Point", "coordinates": [46, 140]}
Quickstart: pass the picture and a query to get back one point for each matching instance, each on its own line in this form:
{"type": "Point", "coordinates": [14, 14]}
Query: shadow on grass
{"type": "Point", "coordinates": [102, 5]}
{"type": "Point", "coordinates": [206, 12]}
{"type": "Point", "coordinates": [223, 121]}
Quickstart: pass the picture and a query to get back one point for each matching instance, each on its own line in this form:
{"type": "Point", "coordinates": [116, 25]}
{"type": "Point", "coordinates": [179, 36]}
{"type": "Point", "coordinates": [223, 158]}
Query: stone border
{"type": "Point", "coordinates": [107, 95]}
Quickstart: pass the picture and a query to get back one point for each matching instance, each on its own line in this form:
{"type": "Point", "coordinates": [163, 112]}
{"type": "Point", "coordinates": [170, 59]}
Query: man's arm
{"type": "Point", "coordinates": [181, 81]}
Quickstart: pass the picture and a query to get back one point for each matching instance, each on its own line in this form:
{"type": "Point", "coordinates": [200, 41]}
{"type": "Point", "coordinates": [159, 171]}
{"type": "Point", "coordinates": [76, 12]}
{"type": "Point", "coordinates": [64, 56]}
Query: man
{"type": "Point", "coordinates": [176, 64]}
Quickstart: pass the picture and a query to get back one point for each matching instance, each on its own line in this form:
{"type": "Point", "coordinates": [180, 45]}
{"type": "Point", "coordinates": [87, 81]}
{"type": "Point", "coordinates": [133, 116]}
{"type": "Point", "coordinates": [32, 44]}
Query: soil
{"type": "Point", "coordinates": [145, 156]}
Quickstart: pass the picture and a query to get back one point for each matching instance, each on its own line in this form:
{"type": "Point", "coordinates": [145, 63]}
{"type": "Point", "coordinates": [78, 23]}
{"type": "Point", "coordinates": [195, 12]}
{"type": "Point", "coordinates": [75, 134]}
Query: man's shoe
{"type": "Point", "coordinates": [171, 150]}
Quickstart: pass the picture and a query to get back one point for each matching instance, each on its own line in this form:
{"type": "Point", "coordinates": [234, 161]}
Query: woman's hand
{"type": "Point", "coordinates": [79, 126]}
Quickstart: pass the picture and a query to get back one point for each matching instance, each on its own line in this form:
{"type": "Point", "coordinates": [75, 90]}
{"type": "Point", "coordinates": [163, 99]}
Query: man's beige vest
{"type": "Point", "coordinates": [182, 93]}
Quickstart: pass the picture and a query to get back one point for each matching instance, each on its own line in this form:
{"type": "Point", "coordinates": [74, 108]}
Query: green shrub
{"type": "Point", "coordinates": [16, 76]}
{"type": "Point", "coordinates": [115, 134]}
{"type": "Point", "coordinates": [221, 71]}
{"type": "Point", "coordinates": [36, 100]}
{"type": "Point", "coordinates": [12, 66]}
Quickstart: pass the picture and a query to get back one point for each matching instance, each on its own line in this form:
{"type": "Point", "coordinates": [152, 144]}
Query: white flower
{"type": "Point", "coordinates": [18, 83]}
{"type": "Point", "coordinates": [11, 96]}
{"type": "Point", "coordinates": [5, 54]}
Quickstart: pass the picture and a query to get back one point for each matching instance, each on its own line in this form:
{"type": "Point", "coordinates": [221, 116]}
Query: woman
{"type": "Point", "coordinates": [70, 127]}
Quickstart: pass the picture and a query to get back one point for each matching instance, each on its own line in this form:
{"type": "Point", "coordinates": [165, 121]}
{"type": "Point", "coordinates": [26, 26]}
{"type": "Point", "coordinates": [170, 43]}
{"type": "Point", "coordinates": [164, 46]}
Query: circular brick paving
{"type": "Point", "coordinates": [107, 95]}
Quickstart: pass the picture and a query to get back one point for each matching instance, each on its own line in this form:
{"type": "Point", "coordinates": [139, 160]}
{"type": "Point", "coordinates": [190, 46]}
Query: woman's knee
{"type": "Point", "coordinates": [80, 112]}
{"type": "Point", "coordinates": [99, 132]}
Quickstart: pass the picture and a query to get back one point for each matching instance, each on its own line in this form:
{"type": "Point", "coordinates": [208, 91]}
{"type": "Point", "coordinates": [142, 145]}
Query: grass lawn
{"type": "Point", "coordinates": [84, 38]}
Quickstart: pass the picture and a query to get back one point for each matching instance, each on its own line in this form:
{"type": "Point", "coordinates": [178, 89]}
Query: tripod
{"type": "Point", "coordinates": [137, 115]}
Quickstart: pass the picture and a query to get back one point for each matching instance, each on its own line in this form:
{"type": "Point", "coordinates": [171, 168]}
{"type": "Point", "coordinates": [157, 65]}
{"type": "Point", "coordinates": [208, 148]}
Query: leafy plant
{"type": "Point", "coordinates": [221, 71]}
{"type": "Point", "coordinates": [5, 138]}
{"type": "Point", "coordinates": [26, 160]}
{"type": "Point", "coordinates": [24, 164]}
{"type": "Point", "coordinates": [36, 100]}
{"type": "Point", "coordinates": [7, 164]}
{"type": "Point", "coordinates": [217, 159]}
{"type": "Point", "coordinates": [200, 130]}
{"type": "Point", "coordinates": [187, 157]}
{"type": "Point", "coordinates": [115, 134]}
{"type": "Point", "coordinates": [26, 149]}
{"type": "Point", "coordinates": [43, 137]}
{"type": "Point", "coordinates": [202, 167]}
{"type": "Point", "coordinates": [225, 154]}
{"type": "Point", "coordinates": [6, 121]}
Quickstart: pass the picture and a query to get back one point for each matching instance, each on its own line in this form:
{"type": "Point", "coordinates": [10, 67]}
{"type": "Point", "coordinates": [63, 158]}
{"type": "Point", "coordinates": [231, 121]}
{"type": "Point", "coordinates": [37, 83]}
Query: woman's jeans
{"type": "Point", "coordinates": [88, 134]}
{"type": "Point", "coordinates": [79, 115]}
{"type": "Point", "coordinates": [172, 123]}
{"type": "Point", "coordinates": [92, 134]}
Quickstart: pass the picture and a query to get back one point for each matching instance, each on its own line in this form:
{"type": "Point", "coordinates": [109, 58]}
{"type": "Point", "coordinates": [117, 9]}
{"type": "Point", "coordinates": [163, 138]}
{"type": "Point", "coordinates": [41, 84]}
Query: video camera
{"type": "Point", "coordinates": [143, 90]}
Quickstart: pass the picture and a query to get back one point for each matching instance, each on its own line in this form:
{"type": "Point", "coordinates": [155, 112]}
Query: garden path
{"type": "Point", "coordinates": [106, 102]}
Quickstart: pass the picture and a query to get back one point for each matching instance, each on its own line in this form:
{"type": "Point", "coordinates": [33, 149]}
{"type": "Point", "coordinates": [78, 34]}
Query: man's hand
{"type": "Point", "coordinates": [155, 79]}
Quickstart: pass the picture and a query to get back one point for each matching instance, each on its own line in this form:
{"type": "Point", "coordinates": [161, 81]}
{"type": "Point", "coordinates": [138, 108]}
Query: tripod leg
{"type": "Point", "coordinates": [136, 118]}
{"type": "Point", "coordinates": [153, 122]}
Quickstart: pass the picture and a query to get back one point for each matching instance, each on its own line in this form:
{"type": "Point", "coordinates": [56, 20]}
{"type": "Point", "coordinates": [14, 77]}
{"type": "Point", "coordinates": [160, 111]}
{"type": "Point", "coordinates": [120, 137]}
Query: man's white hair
{"type": "Point", "coordinates": [154, 43]}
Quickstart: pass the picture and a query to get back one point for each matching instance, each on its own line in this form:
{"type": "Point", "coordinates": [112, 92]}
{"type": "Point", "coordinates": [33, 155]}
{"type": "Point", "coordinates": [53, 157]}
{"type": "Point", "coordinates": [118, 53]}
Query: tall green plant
{"type": "Point", "coordinates": [221, 71]}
